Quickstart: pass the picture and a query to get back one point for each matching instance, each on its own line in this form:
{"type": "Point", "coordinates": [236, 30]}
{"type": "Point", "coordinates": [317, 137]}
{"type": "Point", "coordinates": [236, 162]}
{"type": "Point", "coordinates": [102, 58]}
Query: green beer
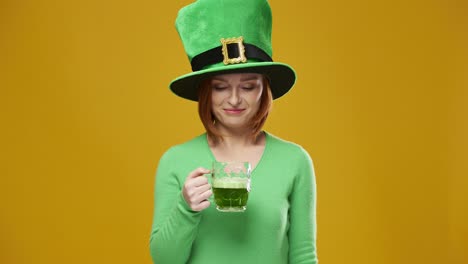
{"type": "Point", "coordinates": [231, 194]}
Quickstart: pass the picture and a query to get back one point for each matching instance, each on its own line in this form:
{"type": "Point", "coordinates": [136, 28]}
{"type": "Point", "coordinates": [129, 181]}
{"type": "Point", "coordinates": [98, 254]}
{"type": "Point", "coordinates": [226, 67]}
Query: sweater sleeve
{"type": "Point", "coordinates": [174, 224]}
{"type": "Point", "coordinates": [302, 231]}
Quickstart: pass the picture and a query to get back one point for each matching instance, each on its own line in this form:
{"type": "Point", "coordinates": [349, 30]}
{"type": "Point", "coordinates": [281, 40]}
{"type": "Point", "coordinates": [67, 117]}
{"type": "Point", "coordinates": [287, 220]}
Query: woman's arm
{"type": "Point", "coordinates": [174, 223]}
{"type": "Point", "coordinates": [302, 231]}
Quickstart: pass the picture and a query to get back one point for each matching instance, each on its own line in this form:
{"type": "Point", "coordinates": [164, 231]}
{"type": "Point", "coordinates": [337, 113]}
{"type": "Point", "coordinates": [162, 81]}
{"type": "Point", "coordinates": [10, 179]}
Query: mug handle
{"type": "Point", "coordinates": [209, 177]}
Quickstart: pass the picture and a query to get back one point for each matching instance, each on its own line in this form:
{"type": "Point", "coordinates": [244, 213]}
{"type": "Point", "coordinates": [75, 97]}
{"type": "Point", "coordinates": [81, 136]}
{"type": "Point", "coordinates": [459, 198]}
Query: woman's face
{"type": "Point", "coordinates": [235, 98]}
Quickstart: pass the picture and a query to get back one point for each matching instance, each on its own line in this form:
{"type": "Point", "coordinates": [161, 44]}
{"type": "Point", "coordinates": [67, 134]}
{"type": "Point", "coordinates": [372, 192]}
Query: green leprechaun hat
{"type": "Point", "coordinates": [228, 36]}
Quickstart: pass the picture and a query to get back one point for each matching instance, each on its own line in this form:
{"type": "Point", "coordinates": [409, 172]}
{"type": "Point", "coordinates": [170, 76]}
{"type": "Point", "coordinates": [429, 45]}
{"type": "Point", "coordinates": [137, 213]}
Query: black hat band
{"type": "Point", "coordinates": [230, 53]}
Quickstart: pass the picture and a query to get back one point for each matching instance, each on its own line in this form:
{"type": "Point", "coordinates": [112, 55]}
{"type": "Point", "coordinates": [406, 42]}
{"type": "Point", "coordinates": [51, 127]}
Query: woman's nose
{"type": "Point", "coordinates": [234, 97]}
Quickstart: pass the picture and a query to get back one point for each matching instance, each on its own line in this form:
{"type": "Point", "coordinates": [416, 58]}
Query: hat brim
{"type": "Point", "coordinates": [282, 78]}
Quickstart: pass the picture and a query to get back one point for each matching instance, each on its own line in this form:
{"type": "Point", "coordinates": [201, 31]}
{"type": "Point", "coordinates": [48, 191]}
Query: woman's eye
{"type": "Point", "coordinates": [248, 87]}
{"type": "Point", "coordinates": [219, 88]}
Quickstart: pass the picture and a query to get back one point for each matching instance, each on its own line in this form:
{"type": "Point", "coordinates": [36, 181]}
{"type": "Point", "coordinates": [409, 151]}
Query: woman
{"type": "Point", "coordinates": [234, 84]}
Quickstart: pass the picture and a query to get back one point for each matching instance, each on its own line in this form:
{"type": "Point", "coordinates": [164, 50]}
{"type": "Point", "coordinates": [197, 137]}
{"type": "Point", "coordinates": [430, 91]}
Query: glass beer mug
{"type": "Point", "coordinates": [231, 185]}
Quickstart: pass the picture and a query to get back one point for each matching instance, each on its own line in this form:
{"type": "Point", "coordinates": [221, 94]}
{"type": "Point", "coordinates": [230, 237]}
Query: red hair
{"type": "Point", "coordinates": [206, 114]}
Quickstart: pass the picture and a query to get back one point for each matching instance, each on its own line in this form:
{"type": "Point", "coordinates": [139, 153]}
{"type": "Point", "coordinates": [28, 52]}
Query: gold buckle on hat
{"type": "Point", "coordinates": [240, 46]}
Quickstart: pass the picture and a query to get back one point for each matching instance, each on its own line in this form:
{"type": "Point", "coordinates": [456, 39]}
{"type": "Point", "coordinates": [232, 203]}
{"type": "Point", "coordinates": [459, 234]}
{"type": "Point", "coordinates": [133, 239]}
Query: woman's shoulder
{"type": "Point", "coordinates": [288, 152]}
{"type": "Point", "coordinates": [283, 143]}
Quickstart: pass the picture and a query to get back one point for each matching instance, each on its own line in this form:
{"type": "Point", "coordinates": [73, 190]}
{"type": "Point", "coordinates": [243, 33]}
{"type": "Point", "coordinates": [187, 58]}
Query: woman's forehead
{"type": "Point", "coordinates": [237, 76]}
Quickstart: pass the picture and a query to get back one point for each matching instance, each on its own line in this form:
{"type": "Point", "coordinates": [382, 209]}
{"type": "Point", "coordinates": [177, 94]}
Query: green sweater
{"type": "Point", "coordinates": [277, 227]}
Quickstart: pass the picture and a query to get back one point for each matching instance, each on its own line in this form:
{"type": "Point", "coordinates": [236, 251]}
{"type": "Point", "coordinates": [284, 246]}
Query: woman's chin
{"type": "Point", "coordinates": [235, 125]}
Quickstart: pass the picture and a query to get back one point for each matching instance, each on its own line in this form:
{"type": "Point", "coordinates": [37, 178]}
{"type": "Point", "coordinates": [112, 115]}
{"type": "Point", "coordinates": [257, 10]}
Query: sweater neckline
{"type": "Point", "coordinates": [265, 150]}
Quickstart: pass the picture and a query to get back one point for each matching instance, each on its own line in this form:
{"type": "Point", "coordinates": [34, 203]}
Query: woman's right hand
{"type": "Point", "coordinates": [197, 190]}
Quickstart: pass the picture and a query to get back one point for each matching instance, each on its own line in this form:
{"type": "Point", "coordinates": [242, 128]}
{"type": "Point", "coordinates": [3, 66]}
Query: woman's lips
{"type": "Point", "coordinates": [233, 111]}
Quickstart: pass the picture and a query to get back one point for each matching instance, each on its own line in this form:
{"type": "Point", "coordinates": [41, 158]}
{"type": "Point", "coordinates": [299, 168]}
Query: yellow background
{"type": "Point", "coordinates": [381, 104]}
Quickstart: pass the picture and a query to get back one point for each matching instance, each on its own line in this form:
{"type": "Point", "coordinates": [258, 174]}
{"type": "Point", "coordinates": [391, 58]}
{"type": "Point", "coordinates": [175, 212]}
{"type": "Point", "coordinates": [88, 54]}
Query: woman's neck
{"type": "Point", "coordinates": [236, 139]}
{"type": "Point", "coordinates": [240, 148]}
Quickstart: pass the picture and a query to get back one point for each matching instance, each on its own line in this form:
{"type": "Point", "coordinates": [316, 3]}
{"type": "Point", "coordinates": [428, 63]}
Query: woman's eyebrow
{"type": "Point", "coordinates": [249, 79]}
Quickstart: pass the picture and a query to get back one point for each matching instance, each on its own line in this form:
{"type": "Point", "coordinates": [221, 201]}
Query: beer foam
{"type": "Point", "coordinates": [232, 183]}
